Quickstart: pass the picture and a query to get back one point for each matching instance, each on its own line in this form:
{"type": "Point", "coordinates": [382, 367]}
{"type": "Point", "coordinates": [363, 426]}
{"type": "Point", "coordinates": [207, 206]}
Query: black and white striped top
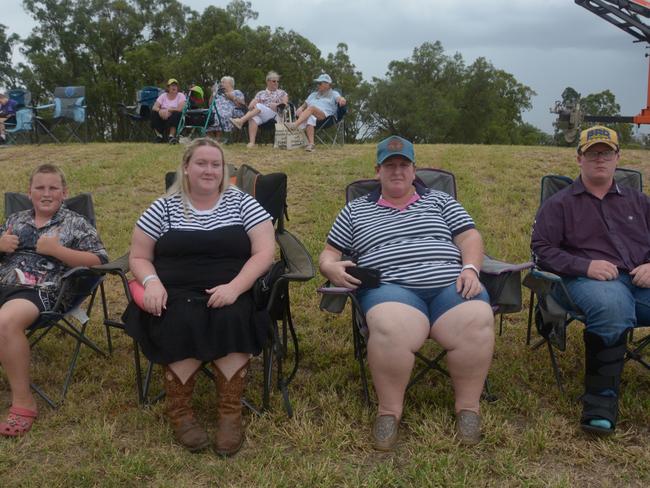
{"type": "Point", "coordinates": [235, 207]}
{"type": "Point", "coordinates": [412, 247]}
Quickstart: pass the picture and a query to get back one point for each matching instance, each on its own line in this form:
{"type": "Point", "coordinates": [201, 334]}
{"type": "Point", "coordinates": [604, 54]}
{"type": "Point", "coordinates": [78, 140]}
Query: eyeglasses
{"type": "Point", "coordinates": [606, 155]}
{"type": "Point", "coordinates": [274, 81]}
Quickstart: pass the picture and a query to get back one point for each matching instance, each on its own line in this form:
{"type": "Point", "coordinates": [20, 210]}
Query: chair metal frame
{"type": "Point", "coordinates": [331, 130]}
{"type": "Point", "coordinates": [544, 308]}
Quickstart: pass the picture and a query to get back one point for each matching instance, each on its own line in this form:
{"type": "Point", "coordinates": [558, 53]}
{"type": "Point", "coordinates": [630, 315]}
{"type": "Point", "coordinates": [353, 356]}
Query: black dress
{"type": "Point", "coordinates": [188, 262]}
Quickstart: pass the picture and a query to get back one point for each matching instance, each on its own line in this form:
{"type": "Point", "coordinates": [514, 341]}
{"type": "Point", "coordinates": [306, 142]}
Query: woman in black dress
{"type": "Point", "coordinates": [197, 251]}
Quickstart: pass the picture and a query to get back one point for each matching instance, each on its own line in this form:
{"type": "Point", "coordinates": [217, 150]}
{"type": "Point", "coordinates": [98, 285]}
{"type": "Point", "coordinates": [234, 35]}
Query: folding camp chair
{"type": "Point", "coordinates": [78, 284]}
{"type": "Point", "coordinates": [296, 266]}
{"type": "Point", "coordinates": [20, 129]}
{"type": "Point", "coordinates": [501, 280]}
{"type": "Point", "coordinates": [69, 112]}
{"type": "Point", "coordinates": [331, 130]}
{"type": "Point", "coordinates": [139, 115]}
{"type": "Point", "coordinates": [552, 318]}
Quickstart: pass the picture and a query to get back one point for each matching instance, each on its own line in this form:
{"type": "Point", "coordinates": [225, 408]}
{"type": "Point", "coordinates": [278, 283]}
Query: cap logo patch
{"type": "Point", "coordinates": [395, 145]}
{"type": "Point", "coordinates": [598, 134]}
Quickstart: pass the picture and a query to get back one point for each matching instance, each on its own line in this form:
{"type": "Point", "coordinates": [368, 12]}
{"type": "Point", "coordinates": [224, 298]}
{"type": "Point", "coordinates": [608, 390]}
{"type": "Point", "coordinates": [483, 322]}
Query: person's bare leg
{"type": "Point", "coordinates": [309, 131]}
{"type": "Point", "coordinates": [247, 116]}
{"type": "Point", "coordinates": [304, 115]}
{"type": "Point", "coordinates": [397, 331]}
{"type": "Point", "coordinates": [185, 368]}
{"type": "Point", "coordinates": [252, 132]}
{"type": "Point", "coordinates": [466, 332]}
{"type": "Point", "coordinates": [15, 317]}
{"type": "Point", "coordinates": [231, 363]}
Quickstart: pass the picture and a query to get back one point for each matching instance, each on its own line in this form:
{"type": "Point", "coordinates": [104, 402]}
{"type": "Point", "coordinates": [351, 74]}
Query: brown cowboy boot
{"type": "Point", "coordinates": [178, 411]}
{"type": "Point", "coordinates": [230, 432]}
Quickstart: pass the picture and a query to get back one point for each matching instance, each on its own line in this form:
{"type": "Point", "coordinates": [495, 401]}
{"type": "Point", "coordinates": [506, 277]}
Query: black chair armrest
{"type": "Point", "coordinates": [503, 283]}
{"type": "Point", "coordinates": [119, 266]}
{"type": "Point", "coordinates": [300, 266]}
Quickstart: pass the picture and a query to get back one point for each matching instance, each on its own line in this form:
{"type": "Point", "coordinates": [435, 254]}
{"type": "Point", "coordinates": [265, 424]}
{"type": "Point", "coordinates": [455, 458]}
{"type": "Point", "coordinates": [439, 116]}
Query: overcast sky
{"type": "Point", "coordinates": [546, 44]}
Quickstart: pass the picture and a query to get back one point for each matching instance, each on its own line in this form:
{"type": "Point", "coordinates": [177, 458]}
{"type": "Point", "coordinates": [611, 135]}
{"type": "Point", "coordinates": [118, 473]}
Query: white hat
{"type": "Point", "coordinates": [324, 78]}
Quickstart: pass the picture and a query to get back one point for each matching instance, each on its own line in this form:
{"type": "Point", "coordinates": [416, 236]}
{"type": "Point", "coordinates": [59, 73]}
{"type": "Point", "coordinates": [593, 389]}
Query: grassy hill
{"type": "Point", "coordinates": [100, 437]}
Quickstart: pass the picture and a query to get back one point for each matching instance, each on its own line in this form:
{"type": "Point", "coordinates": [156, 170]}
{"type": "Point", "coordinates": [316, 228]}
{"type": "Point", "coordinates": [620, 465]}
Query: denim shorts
{"type": "Point", "coordinates": [432, 302]}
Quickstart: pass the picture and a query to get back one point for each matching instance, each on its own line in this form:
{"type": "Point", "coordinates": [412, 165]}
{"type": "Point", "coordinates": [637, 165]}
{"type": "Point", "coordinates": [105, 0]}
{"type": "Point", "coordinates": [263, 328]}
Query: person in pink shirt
{"type": "Point", "coordinates": [166, 112]}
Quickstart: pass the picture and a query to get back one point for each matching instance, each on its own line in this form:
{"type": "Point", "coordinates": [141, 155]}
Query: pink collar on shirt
{"type": "Point", "coordinates": [385, 203]}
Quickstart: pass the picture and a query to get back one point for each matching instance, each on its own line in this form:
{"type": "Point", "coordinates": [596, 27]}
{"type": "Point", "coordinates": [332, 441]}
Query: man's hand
{"type": "Point", "coordinates": [468, 284]}
{"type": "Point", "coordinates": [641, 276]}
{"type": "Point", "coordinates": [9, 241]}
{"type": "Point", "coordinates": [48, 244]}
{"type": "Point", "coordinates": [602, 270]}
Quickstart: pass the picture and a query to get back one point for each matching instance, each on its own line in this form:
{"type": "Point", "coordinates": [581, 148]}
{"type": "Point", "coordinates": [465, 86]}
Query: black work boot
{"type": "Point", "coordinates": [603, 368]}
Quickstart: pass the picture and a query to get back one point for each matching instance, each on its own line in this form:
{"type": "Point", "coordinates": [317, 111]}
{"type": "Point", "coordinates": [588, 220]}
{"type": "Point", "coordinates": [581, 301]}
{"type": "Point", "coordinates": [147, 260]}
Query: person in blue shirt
{"type": "Point", "coordinates": [7, 114]}
{"type": "Point", "coordinates": [319, 105]}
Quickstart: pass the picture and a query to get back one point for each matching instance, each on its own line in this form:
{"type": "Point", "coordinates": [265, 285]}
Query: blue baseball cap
{"type": "Point", "coordinates": [395, 146]}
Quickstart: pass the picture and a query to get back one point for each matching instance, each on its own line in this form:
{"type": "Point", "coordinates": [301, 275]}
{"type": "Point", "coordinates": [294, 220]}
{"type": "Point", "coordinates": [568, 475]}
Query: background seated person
{"type": "Point", "coordinates": [198, 251]}
{"type": "Point", "coordinates": [166, 112]}
{"type": "Point", "coordinates": [429, 254]}
{"type": "Point", "coordinates": [7, 114]}
{"type": "Point", "coordinates": [37, 247]}
{"type": "Point", "coordinates": [319, 105]}
{"type": "Point", "coordinates": [229, 104]}
{"type": "Point", "coordinates": [596, 235]}
{"type": "Point", "coordinates": [263, 107]}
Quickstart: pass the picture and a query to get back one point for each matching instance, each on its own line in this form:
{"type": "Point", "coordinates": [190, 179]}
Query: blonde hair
{"type": "Point", "coordinates": [48, 168]}
{"type": "Point", "coordinates": [272, 74]}
{"type": "Point", "coordinates": [181, 184]}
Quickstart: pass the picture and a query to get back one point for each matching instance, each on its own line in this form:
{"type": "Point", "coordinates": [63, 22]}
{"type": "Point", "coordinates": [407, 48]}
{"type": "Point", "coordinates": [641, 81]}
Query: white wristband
{"type": "Point", "coordinates": [472, 267]}
{"type": "Point", "coordinates": [149, 278]}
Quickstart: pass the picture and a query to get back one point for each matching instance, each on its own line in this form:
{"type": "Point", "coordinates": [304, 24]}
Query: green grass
{"type": "Point", "coordinates": [100, 437]}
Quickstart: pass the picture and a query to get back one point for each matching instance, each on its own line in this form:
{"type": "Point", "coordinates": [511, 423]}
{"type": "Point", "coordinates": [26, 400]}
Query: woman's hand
{"type": "Point", "coordinates": [468, 284]}
{"type": "Point", "coordinates": [164, 113]}
{"type": "Point", "coordinates": [222, 295]}
{"type": "Point", "coordinates": [335, 272]}
{"type": "Point", "coordinates": [155, 297]}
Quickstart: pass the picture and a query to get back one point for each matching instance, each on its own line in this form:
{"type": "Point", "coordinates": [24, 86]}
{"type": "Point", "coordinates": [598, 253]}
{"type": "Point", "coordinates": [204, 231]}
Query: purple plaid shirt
{"type": "Point", "coordinates": [573, 227]}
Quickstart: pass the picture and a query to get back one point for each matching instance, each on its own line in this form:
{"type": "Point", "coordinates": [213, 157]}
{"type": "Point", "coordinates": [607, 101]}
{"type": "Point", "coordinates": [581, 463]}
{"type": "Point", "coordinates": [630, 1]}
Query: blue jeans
{"type": "Point", "coordinates": [610, 307]}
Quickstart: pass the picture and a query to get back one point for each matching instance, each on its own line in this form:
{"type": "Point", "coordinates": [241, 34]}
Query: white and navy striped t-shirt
{"type": "Point", "coordinates": [235, 207]}
{"type": "Point", "coordinates": [412, 247]}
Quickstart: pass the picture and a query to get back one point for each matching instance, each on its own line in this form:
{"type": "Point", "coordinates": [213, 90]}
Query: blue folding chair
{"type": "Point", "coordinates": [69, 105]}
{"type": "Point", "coordinates": [21, 128]}
{"type": "Point", "coordinates": [139, 115]}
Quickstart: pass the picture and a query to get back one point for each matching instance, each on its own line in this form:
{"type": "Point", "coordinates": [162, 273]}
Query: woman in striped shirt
{"type": "Point", "coordinates": [197, 251]}
{"type": "Point", "coordinates": [429, 254]}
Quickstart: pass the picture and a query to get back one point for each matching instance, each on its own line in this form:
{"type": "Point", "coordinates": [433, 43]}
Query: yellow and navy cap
{"type": "Point", "coordinates": [598, 134]}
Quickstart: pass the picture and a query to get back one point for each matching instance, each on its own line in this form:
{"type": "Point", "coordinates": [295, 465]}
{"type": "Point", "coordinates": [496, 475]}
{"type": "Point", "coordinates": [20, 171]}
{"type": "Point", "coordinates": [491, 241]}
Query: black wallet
{"type": "Point", "coordinates": [369, 276]}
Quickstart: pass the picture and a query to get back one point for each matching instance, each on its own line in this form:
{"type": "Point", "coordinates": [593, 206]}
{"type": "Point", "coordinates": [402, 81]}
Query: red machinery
{"type": "Point", "coordinates": [627, 15]}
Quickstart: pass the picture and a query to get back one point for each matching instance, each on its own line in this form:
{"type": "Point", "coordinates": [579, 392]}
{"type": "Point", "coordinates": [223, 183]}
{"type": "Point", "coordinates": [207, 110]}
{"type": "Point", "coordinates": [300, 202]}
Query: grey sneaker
{"type": "Point", "coordinates": [385, 432]}
{"type": "Point", "coordinates": [468, 427]}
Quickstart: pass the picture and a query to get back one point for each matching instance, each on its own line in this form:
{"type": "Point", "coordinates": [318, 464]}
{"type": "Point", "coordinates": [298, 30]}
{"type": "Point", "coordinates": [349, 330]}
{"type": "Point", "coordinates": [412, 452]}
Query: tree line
{"type": "Point", "coordinates": [114, 47]}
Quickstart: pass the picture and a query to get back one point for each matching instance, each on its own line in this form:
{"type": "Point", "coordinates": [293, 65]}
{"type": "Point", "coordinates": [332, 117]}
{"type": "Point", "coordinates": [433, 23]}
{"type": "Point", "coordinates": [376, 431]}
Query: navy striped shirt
{"type": "Point", "coordinates": [233, 208]}
{"type": "Point", "coordinates": [412, 247]}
